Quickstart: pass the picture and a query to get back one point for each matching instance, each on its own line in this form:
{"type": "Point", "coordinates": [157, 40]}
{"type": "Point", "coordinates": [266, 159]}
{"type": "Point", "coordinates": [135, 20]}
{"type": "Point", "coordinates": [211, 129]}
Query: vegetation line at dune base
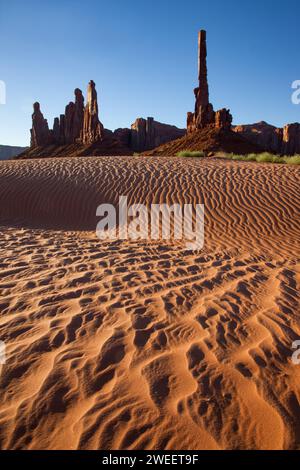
{"type": "Point", "coordinates": [264, 157]}
{"type": "Point", "coordinates": [187, 153]}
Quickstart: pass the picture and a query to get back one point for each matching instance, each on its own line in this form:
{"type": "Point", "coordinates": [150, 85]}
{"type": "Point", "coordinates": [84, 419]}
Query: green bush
{"type": "Point", "coordinates": [187, 153]}
{"type": "Point", "coordinates": [264, 157]}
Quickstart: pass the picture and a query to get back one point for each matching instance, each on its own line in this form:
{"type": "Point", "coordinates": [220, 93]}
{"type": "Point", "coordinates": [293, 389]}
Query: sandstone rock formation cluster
{"type": "Point", "coordinates": [264, 136]}
{"type": "Point", "coordinates": [79, 124]}
{"type": "Point", "coordinates": [204, 114]}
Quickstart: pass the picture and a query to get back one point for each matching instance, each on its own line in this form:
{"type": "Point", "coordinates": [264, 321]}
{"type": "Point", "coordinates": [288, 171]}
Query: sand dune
{"type": "Point", "coordinates": [144, 345]}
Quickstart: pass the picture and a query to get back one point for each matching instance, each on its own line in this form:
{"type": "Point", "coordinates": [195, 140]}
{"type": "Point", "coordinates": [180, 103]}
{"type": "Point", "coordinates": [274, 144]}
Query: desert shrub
{"type": "Point", "coordinates": [251, 157]}
{"type": "Point", "coordinates": [278, 159]}
{"type": "Point", "coordinates": [187, 153]}
{"type": "Point", "coordinates": [265, 157]}
{"type": "Point", "coordinates": [295, 160]}
{"type": "Point", "coordinates": [237, 157]}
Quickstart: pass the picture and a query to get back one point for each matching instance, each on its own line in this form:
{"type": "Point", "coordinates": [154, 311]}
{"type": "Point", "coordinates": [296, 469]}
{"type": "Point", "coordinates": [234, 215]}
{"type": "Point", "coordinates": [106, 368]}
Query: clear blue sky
{"type": "Point", "coordinates": [143, 57]}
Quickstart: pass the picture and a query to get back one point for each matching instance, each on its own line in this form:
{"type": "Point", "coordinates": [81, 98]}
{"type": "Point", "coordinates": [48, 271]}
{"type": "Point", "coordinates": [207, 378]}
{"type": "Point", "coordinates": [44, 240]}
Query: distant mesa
{"type": "Point", "coordinates": [8, 152]}
{"type": "Point", "coordinates": [207, 130]}
{"type": "Point", "coordinates": [285, 141]}
{"type": "Point", "coordinates": [148, 134]}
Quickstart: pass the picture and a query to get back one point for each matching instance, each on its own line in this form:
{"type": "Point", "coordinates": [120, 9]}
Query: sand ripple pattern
{"type": "Point", "coordinates": [142, 345]}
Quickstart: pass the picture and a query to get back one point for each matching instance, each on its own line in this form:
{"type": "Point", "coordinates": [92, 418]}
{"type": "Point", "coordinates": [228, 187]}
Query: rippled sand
{"type": "Point", "coordinates": [143, 345]}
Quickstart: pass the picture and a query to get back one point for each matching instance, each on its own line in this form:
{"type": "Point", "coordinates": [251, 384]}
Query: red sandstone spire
{"type": "Point", "coordinates": [204, 114]}
{"type": "Point", "coordinates": [92, 128]}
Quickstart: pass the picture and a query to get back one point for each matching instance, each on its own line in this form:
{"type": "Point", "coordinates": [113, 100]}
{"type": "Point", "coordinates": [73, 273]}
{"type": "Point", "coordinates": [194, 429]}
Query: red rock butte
{"type": "Point", "coordinates": [79, 124]}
